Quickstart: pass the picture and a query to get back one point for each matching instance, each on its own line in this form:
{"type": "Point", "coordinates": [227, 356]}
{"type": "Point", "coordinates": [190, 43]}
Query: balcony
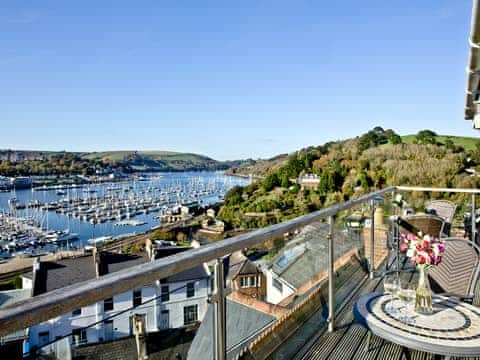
{"type": "Point", "coordinates": [281, 292]}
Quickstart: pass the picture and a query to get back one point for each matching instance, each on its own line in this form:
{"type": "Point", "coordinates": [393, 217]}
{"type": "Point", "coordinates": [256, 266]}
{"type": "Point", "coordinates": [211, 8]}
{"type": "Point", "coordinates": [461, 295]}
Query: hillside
{"type": "Point", "coordinates": [156, 160]}
{"type": "Point", "coordinates": [26, 162]}
{"type": "Point", "coordinates": [347, 169]}
{"type": "Point", "coordinates": [261, 167]}
{"type": "Point", "coordinates": [468, 143]}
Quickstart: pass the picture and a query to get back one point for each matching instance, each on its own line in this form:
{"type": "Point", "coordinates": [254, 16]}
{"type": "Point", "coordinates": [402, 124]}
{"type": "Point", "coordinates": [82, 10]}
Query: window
{"type": "Point", "coordinates": [77, 312]}
{"type": "Point", "coordinates": [137, 297]}
{"type": "Point", "coordinates": [190, 289]}
{"type": "Point", "coordinates": [108, 304]}
{"type": "Point", "coordinates": [43, 338]}
{"type": "Point", "coordinates": [277, 284]}
{"type": "Point", "coordinates": [190, 314]}
{"type": "Point", "coordinates": [248, 281]}
{"type": "Point", "coordinates": [79, 336]}
{"type": "Point", "coordinates": [165, 295]}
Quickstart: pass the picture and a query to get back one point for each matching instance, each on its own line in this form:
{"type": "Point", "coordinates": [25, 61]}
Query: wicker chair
{"type": "Point", "coordinates": [427, 224]}
{"type": "Point", "coordinates": [445, 209]}
{"type": "Point", "coordinates": [458, 272]}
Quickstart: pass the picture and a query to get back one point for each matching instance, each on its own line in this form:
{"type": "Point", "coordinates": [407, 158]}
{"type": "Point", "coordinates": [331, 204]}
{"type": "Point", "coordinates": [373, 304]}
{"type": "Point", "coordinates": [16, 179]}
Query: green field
{"type": "Point", "coordinates": [468, 143]}
{"type": "Point", "coordinates": [148, 155]}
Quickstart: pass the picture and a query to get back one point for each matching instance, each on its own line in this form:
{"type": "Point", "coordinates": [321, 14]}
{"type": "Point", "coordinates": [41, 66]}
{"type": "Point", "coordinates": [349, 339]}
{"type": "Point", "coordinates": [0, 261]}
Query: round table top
{"type": "Point", "coordinates": [452, 329]}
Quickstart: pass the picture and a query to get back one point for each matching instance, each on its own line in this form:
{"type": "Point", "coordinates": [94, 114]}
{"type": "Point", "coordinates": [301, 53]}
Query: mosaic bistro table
{"type": "Point", "coordinates": [452, 330]}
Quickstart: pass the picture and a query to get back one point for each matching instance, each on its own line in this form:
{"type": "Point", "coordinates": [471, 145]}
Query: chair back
{"type": "Point", "coordinates": [427, 224]}
{"type": "Point", "coordinates": [443, 208]}
{"type": "Point", "coordinates": [458, 272]}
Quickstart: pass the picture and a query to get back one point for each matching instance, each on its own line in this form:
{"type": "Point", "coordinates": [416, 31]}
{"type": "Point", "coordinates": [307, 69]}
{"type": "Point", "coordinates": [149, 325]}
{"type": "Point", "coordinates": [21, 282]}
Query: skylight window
{"type": "Point", "coordinates": [290, 255]}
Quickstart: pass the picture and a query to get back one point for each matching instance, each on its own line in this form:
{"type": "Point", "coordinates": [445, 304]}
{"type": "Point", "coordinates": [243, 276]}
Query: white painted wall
{"type": "Point", "coordinates": [274, 296]}
{"type": "Point", "coordinates": [26, 283]}
{"type": "Point", "coordinates": [178, 300]}
{"type": "Point", "coordinates": [64, 324]}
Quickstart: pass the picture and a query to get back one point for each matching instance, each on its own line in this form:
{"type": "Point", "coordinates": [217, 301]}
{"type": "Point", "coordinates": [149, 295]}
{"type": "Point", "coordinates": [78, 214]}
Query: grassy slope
{"type": "Point", "coordinates": [151, 155]}
{"type": "Point", "coordinates": [468, 143]}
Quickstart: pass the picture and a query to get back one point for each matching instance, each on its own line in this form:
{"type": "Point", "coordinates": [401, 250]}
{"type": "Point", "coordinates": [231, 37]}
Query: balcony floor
{"type": "Point", "coordinates": [349, 339]}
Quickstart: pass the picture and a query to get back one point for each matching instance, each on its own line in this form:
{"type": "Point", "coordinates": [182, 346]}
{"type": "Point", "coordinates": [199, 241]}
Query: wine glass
{"type": "Point", "coordinates": [391, 286]}
{"type": "Point", "coordinates": [407, 295]}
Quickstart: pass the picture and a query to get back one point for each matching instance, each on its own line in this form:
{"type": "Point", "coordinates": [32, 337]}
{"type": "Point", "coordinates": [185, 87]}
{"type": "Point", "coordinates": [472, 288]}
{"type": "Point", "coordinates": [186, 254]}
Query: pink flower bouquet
{"type": "Point", "coordinates": [422, 250]}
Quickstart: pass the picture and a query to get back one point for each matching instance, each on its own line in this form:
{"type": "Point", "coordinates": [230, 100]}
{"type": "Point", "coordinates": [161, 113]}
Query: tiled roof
{"type": "Point", "coordinates": [242, 323]}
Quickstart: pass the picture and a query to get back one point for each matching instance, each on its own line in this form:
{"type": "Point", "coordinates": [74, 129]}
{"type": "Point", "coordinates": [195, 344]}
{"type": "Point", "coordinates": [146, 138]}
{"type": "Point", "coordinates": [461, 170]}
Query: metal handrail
{"type": "Point", "coordinates": [431, 189]}
{"type": "Point", "coordinates": [57, 302]}
{"type": "Point", "coordinates": [46, 306]}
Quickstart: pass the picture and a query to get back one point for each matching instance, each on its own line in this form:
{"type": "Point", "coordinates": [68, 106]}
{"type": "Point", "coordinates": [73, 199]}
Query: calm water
{"type": "Point", "coordinates": [187, 182]}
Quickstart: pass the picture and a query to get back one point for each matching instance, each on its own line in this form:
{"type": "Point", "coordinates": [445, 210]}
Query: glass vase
{"type": "Point", "coordinates": [423, 300]}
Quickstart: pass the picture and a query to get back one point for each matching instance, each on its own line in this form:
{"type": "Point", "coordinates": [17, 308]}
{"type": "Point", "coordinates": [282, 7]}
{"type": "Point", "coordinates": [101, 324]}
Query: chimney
{"type": "Point", "coordinates": [150, 250]}
{"type": "Point", "coordinates": [96, 261]}
{"type": "Point", "coordinates": [380, 246]}
{"type": "Point", "coordinates": [101, 266]}
{"type": "Point", "coordinates": [38, 280]}
{"type": "Point", "coordinates": [140, 336]}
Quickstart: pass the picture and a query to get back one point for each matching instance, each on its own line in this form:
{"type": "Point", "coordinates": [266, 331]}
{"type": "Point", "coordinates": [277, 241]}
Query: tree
{"type": "Point", "coordinates": [426, 137]}
{"type": "Point", "coordinates": [234, 196]}
{"type": "Point", "coordinates": [396, 139]}
{"type": "Point", "coordinates": [270, 182]}
{"type": "Point", "coordinates": [326, 183]}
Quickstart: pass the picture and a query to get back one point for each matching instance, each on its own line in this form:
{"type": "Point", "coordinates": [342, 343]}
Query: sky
{"type": "Point", "coordinates": [228, 79]}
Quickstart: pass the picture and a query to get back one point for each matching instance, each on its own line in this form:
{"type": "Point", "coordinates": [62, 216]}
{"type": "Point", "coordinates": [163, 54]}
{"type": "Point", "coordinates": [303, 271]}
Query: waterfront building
{"type": "Point", "coordinates": [4, 183]}
{"type": "Point", "coordinates": [190, 208]}
{"type": "Point", "coordinates": [21, 182]}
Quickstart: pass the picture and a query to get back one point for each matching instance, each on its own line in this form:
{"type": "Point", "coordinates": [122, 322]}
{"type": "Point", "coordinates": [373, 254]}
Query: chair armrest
{"type": "Point", "coordinates": [464, 298]}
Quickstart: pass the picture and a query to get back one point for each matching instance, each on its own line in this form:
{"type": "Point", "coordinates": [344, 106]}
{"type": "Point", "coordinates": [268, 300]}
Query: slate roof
{"type": "Point", "coordinates": [10, 297]}
{"type": "Point", "coordinates": [237, 259]}
{"type": "Point", "coordinates": [306, 254]}
{"type": "Point", "coordinates": [243, 323]}
{"type": "Point", "coordinates": [161, 345]}
{"type": "Point", "coordinates": [55, 275]}
{"type": "Point", "coordinates": [71, 271]}
{"type": "Point", "coordinates": [248, 268]}
{"type": "Point", "coordinates": [197, 272]}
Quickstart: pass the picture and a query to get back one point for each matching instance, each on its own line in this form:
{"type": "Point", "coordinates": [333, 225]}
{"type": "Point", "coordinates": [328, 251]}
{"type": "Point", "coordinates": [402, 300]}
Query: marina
{"type": "Point", "coordinates": [69, 217]}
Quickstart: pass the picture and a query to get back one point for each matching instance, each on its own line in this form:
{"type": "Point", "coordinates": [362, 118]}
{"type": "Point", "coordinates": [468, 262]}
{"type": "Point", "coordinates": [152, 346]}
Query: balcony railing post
{"type": "Point", "coordinates": [474, 227]}
{"type": "Point", "coordinates": [392, 231]}
{"type": "Point", "coordinates": [331, 288]}
{"type": "Point", "coordinates": [372, 240]}
{"type": "Point", "coordinates": [220, 340]}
